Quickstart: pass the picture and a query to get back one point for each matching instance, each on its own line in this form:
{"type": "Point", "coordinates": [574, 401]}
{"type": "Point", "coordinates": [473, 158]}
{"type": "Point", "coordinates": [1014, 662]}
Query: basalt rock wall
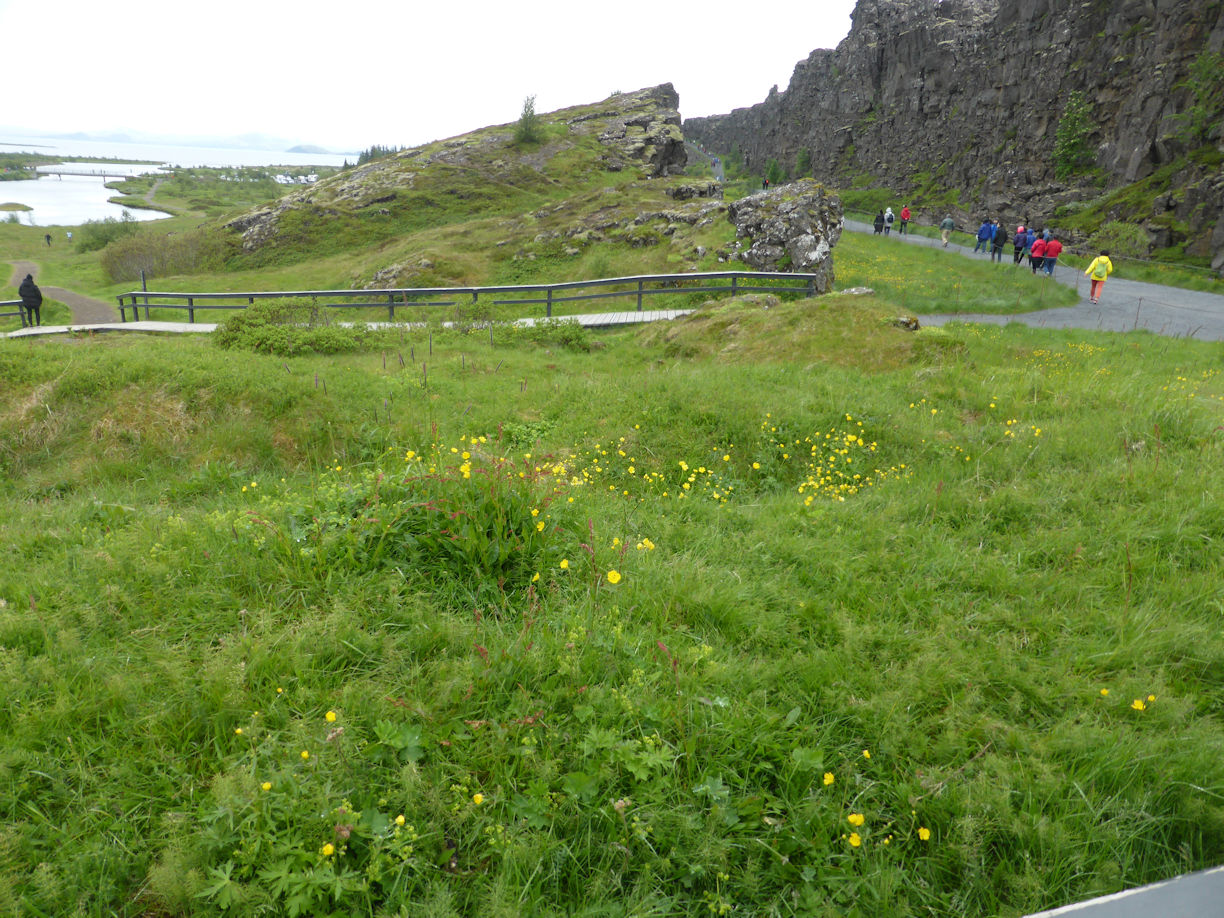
{"type": "Point", "coordinates": [967, 95]}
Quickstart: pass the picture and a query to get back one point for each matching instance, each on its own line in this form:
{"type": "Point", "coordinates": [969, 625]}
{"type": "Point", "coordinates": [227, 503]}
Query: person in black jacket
{"type": "Point", "coordinates": [879, 223]}
{"type": "Point", "coordinates": [31, 299]}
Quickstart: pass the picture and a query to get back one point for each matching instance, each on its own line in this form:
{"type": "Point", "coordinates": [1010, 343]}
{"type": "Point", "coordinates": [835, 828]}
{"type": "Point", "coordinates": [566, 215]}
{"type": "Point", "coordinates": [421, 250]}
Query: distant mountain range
{"type": "Point", "coordinates": [237, 142]}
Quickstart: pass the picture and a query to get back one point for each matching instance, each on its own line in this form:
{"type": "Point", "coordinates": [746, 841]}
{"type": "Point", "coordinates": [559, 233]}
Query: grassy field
{"type": "Point", "coordinates": [777, 610]}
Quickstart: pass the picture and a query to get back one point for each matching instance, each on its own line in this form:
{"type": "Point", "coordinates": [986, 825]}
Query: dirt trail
{"type": "Point", "coordinates": [85, 310]}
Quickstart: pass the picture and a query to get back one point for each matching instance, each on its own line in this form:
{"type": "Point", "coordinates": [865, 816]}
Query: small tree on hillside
{"type": "Point", "coordinates": [775, 173]}
{"type": "Point", "coordinates": [803, 163]}
{"type": "Point", "coordinates": [528, 128]}
{"type": "Point", "coordinates": [1073, 153]}
{"type": "Point", "coordinates": [1206, 109]}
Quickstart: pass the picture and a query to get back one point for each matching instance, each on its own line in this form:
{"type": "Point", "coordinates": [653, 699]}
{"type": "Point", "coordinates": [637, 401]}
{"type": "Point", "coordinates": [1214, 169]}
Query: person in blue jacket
{"type": "Point", "coordinates": [985, 234]}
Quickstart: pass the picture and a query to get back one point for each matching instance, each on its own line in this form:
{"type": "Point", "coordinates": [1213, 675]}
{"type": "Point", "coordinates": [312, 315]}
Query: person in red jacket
{"type": "Point", "coordinates": [1053, 249]}
{"type": "Point", "coordinates": [1037, 254]}
{"type": "Point", "coordinates": [905, 219]}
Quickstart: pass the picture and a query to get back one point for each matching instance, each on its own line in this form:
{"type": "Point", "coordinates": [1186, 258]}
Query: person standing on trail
{"type": "Point", "coordinates": [905, 219]}
{"type": "Point", "coordinates": [48, 238]}
{"type": "Point", "coordinates": [946, 225]}
{"type": "Point", "coordinates": [1098, 271]}
{"type": "Point", "coordinates": [879, 223]}
{"type": "Point", "coordinates": [997, 242]}
{"type": "Point", "coordinates": [1019, 242]}
{"type": "Point", "coordinates": [31, 299]}
{"type": "Point", "coordinates": [889, 219]}
{"type": "Point", "coordinates": [1052, 250]}
{"type": "Point", "coordinates": [984, 234]}
{"type": "Point", "coordinates": [1037, 254]}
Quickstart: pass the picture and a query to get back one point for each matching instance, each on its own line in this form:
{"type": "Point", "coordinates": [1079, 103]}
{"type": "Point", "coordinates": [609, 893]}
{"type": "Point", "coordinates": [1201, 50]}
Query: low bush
{"type": "Point", "coordinates": [162, 254]}
{"type": "Point", "coordinates": [98, 234]}
{"type": "Point", "coordinates": [288, 328]}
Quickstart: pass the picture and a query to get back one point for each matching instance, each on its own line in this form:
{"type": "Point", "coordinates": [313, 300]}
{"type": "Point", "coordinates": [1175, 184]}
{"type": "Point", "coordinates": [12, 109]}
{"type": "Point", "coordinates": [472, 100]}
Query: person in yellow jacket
{"type": "Point", "coordinates": [1098, 271]}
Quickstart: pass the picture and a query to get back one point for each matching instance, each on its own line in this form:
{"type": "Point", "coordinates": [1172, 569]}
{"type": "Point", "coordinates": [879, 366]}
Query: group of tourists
{"type": "Point", "coordinates": [885, 219]}
{"type": "Point", "coordinates": [1040, 248]}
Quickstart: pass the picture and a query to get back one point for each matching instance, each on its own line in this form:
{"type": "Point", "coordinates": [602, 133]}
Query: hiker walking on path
{"type": "Point", "coordinates": [879, 223]}
{"type": "Point", "coordinates": [1037, 254]}
{"type": "Point", "coordinates": [984, 234]}
{"type": "Point", "coordinates": [1019, 244]}
{"type": "Point", "coordinates": [48, 238]}
{"type": "Point", "coordinates": [997, 243]}
{"type": "Point", "coordinates": [946, 225]}
{"type": "Point", "coordinates": [1053, 248]}
{"type": "Point", "coordinates": [31, 300]}
{"type": "Point", "coordinates": [905, 219]}
{"type": "Point", "coordinates": [889, 219]}
{"type": "Point", "coordinates": [1099, 271]}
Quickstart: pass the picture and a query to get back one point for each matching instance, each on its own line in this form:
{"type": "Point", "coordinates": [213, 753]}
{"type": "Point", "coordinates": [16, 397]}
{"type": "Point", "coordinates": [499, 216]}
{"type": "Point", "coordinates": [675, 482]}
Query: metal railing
{"type": "Point", "coordinates": [17, 310]}
{"type": "Point", "coordinates": [638, 287]}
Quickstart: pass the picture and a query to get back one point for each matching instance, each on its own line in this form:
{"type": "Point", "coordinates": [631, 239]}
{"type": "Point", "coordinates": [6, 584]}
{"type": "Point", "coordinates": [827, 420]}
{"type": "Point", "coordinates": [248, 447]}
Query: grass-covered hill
{"type": "Point", "coordinates": [779, 610]}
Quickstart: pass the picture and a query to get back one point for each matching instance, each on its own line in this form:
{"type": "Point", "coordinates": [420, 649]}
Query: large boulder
{"type": "Point", "coordinates": [789, 228]}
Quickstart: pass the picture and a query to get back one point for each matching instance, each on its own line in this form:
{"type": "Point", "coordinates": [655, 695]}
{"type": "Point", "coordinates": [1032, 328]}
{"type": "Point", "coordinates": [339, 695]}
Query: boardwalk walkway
{"type": "Point", "coordinates": [594, 320]}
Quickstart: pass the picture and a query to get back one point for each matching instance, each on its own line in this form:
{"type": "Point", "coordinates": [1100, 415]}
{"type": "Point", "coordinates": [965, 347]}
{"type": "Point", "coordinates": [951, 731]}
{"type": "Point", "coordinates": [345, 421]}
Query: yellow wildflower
{"type": "Point", "coordinates": [924, 833]}
{"type": "Point", "coordinates": [854, 840]}
{"type": "Point", "coordinates": [855, 819]}
{"type": "Point", "coordinates": [614, 577]}
{"type": "Point", "coordinates": [330, 717]}
{"type": "Point", "coordinates": [828, 778]}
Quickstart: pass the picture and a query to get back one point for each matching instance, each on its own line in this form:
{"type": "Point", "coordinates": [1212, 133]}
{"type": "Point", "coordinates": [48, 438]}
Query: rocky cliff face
{"type": "Point", "coordinates": [966, 95]}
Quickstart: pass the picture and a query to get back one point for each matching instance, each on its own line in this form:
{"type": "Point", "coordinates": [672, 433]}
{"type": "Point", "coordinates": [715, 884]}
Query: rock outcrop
{"type": "Point", "coordinates": [966, 96]}
{"type": "Point", "coordinates": [638, 130]}
{"type": "Point", "coordinates": [793, 228]}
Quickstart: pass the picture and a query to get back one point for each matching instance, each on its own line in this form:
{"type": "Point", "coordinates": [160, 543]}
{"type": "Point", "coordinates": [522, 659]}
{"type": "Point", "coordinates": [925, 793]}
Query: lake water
{"type": "Point", "coordinates": [70, 200]}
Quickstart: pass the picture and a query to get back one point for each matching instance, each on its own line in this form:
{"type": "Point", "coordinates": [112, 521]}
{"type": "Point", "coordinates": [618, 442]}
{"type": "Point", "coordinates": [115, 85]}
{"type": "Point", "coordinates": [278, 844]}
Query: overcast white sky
{"type": "Point", "coordinates": [346, 75]}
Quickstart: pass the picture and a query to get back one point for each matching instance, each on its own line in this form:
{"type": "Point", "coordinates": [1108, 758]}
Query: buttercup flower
{"type": "Point", "coordinates": [267, 785]}
{"type": "Point", "coordinates": [330, 717]}
{"type": "Point", "coordinates": [399, 820]}
{"type": "Point", "coordinates": [855, 819]}
{"type": "Point", "coordinates": [328, 850]}
{"type": "Point", "coordinates": [614, 577]}
{"type": "Point", "coordinates": [924, 833]}
{"type": "Point", "coordinates": [854, 840]}
{"type": "Point", "coordinates": [828, 778]}
{"type": "Point", "coordinates": [238, 731]}
{"type": "Point", "coordinates": [305, 755]}
{"type": "Point", "coordinates": [1138, 705]}
{"type": "Point", "coordinates": [478, 799]}
{"type": "Point", "coordinates": [565, 564]}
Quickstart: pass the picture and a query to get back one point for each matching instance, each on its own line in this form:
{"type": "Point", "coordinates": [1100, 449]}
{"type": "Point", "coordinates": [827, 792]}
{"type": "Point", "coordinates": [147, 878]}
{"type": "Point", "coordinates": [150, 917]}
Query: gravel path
{"type": "Point", "coordinates": [1126, 305]}
{"type": "Point", "coordinates": [85, 310]}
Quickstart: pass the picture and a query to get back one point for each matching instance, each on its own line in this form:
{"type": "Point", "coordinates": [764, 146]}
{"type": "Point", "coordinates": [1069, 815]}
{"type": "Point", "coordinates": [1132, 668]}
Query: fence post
{"type": "Point", "coordinates": [639, 295]}
{"type": "Point", "coordinates": [811, 286]}
{"type": "Point", "coordinates": [548, 308]}
{"type": "Point", "coordinates": [190, 310]}
{"type": "Point", "coordinates": [734, 278]}
{"type": "Point", "coordinates": [391, 307]}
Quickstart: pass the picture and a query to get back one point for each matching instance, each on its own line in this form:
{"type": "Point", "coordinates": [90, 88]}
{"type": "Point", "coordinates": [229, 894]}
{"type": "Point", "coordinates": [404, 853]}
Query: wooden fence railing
{"type": "Point", "coordinates": [638, 287]}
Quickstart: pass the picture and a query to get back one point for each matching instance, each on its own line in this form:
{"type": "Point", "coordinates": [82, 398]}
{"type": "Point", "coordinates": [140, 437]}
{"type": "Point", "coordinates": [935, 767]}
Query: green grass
{"type": "Point", "coordinates": [205, 552]}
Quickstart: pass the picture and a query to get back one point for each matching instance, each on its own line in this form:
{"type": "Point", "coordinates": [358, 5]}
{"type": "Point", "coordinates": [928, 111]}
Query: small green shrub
{"type": "Point", "coordinates": [288, 328]}
{"type": "Point", "coordinates": [159, 254]}
{"type": "Point", "coordinates": [98, 234]}
{"type": "Point", "coordinates": [1073, 152]}
{"type": "Point", "coordinates": [1121, 239]}
{"type": "Point", "coordinates": [528, 129]}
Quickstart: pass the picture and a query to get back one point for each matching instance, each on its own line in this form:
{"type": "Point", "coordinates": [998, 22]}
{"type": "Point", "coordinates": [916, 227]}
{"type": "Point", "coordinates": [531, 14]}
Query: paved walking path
{"type": "Point", "coordinates": [85, 310]}
{"type": "Point", "coordinates": [1125, 305]}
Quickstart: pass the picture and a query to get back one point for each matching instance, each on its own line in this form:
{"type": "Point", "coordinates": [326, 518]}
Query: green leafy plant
{"type": "Point", "coordinates": [1073, 151]}
{"type": "Point", "coordinates": [288, 327]}
{"type": "Point", "coordinates": [1205, 82]}
{"type": "Point", "coordinates": [528, 130]}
